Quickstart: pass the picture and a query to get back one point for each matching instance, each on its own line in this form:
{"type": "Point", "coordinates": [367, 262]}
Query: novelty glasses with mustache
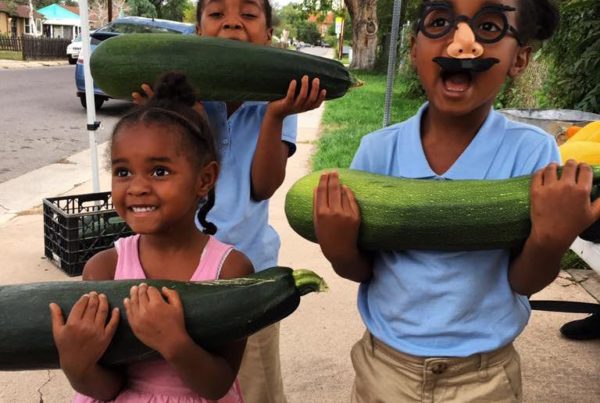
{"type": "Point", "coordinates": [489, 24]}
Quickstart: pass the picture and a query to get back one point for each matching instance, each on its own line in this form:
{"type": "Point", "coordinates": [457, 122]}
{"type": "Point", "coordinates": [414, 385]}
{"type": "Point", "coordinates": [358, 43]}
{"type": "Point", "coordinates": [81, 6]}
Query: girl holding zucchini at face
{"type": "Point", "coordinates": [164, 163]}
{"type": "Point", "coordinates": [254, 140]}
{"type": "Point", "coordinates": [440, 325]}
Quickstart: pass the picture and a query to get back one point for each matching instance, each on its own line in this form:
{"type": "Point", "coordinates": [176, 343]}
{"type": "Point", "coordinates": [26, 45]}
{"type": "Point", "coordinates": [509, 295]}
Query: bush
{"type": "Point", "coordinates": [527, 91]}
{"type": "Point", "coordinates": [308, 32]}
{"type": "Point", "coordinates": [574, 80]}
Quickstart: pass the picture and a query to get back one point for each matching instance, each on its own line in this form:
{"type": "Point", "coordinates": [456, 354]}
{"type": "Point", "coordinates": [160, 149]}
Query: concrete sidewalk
{"type": "Point", "coordinates": [316, 339]}
{"type": "Point", "coordinates": [31, 64]}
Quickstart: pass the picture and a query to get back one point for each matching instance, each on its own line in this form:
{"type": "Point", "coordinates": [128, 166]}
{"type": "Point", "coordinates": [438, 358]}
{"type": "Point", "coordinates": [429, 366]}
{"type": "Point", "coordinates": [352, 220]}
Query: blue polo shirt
{"type": "Point", "coordinates": [439, 303]}
{"type": "Point", "coordinates": [240, 220]}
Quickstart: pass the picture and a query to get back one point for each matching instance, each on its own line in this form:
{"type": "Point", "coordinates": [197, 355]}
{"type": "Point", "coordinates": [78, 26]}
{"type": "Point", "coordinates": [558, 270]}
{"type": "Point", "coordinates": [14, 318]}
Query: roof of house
{"type": "Point", "coordinates": [21, 10]}
{"type": "Point", "coordinates": [73, 9]}
{"type": "Point", "coordinates": [57, 12]}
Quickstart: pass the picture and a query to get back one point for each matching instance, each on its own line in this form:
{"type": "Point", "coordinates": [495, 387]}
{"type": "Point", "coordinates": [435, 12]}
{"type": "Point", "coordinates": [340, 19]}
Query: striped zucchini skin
{"type": "Point", "coordinates": [400, 214]}
{"type": "Point", "coordinates": [215, 312]}
{"type": "Point", "coordinates": [219, 69]}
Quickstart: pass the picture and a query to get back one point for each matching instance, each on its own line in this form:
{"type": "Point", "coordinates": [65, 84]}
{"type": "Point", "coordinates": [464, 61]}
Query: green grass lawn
{"type": "Point", "coordinates": [346, 120]}
{"type": "Point", "coordinates": [10, 55]}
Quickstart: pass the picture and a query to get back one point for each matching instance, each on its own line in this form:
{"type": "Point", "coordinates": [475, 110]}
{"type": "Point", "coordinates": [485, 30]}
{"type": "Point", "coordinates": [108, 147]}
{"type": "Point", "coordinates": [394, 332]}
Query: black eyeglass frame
{"type": "Point", "coordinates": [501, 8]}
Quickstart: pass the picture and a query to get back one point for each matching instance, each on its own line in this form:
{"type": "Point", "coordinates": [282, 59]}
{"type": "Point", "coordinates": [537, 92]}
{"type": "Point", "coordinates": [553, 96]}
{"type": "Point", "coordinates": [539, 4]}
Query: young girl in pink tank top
{"type": "Point", "coordinates": [164, 164]}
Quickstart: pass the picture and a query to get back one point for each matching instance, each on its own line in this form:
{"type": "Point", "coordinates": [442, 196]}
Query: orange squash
{"type": "Point", "coordinates": [571, 130]}
{"type": "Point", "coordinates": [589, 132]}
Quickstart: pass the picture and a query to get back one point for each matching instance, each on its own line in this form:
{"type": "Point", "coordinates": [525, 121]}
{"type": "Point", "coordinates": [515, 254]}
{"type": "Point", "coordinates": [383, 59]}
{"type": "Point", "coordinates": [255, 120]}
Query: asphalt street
{"type": "Point", "coordinates": [42, 120]}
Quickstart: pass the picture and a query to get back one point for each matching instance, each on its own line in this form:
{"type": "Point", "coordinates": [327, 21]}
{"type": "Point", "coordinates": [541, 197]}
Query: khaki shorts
{"type": "Point", "coordinates": [260, 372]}
{"type": "Point", "coordinates": [384, 375]}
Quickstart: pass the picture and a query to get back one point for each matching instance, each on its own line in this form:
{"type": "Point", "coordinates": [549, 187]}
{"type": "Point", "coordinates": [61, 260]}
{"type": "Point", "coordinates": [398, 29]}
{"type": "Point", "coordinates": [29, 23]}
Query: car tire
{"type": "Point", "coordinates": [72, 60]}
{"type": "Point", "coordinates": [98, 101]}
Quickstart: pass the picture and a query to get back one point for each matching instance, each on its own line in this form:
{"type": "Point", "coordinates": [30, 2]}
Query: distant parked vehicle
{"type": "Point", "coordinates": [73, 49]}
{"type": "Point", "coordinates": [120, 26]}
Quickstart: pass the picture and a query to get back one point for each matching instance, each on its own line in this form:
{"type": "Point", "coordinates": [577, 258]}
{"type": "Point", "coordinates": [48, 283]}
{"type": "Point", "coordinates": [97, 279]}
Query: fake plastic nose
{"type": "Point", "coordinates": [464, 45]}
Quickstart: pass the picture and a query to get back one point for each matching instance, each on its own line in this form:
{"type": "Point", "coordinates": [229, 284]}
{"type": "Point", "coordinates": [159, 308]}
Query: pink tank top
{"type": "Point", "coordinates": [156, 381]}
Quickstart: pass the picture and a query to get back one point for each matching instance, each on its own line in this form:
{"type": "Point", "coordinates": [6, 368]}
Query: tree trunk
{"type": "Point", "coordinates": [32, 22]}
{"type": "Point", "coordinates": [364, 33]}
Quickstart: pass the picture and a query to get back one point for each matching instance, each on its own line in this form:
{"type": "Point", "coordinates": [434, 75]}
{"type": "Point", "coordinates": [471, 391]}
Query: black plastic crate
{"type": "Point", "coordinates": [79, 226]}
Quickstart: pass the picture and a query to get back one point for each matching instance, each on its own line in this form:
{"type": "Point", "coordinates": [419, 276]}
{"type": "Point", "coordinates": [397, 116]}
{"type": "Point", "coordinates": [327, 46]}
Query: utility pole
{"type": "Point", "coordinates": [341, 41]}
{"type": "Point", "coordinates": [110, 16]}
{"type": "Point", "coordinates": [339, 30]}
{"type": "Point", "coordinates": [392, 61]}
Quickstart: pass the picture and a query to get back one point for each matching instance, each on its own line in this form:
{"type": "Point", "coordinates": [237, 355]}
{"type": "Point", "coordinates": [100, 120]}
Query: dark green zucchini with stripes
{"type": "Point", "coordinates": [400, 214]}
{"type": "Point", "coordinates": [219, 69]}
{"type": "Point", "coordinates": [215, 312]}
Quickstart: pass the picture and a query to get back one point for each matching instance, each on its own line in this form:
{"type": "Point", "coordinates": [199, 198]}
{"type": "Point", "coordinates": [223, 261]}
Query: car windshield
{"type": "Point", "coordinates": [128, 28]}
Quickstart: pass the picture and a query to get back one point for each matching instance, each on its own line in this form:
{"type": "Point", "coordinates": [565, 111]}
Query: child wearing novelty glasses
{"type": "Point", "coordinates": [440, 325]}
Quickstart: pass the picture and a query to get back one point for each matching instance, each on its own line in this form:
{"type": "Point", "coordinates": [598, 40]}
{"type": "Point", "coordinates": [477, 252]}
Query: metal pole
{"type": "Point", "coordinates": [341, 40]}
{"type": "Point", "coordinates": [402, 33]}
{"type": "Point", "coordinates": [92, 125]}
{"type": "Point", "coordinates": [392, 61]}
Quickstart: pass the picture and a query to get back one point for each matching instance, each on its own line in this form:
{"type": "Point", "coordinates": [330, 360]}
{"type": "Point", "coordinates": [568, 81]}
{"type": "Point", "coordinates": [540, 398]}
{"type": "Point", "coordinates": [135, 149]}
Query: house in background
{"type": "Point", "coordinates": [324, 23]}
{"type": "Point", "coordinates": [60, 22]}
{"type": "Point", "coordinates": [14, 20]}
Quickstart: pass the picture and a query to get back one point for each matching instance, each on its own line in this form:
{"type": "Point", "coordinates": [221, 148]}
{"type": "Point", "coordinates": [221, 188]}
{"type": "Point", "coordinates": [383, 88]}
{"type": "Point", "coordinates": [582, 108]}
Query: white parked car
{"type": "Point", "coordinates": [73, 49]}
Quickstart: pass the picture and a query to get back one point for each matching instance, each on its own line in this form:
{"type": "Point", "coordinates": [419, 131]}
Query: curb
{"type": "Point", "coordinates": [27, 191]}
{"type": "Point", "coordinates": [30, 64]}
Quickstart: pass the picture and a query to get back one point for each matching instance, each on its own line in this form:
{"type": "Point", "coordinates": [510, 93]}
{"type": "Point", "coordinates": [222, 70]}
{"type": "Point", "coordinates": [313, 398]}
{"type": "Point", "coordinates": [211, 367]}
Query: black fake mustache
{"type": "Point", "coordinates": [465, 65]}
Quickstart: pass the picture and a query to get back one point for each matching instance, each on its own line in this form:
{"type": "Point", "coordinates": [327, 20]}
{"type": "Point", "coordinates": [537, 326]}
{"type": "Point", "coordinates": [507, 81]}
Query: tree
{"type": "Point", "coordinates": [364, 33]}
{"type": "Point", "coordinates": [100, 9]}
{"type": "Point", "coordinates": [574, 81]}
{"type": "Point", "coordinates": [189, 13]}
{"type": "Point", "coordinates": [385, 10]}
{"type": "Point", "coordinates": [167, 9]}
{"type": "Point", "coordinates": [363, 14]}
{"type": "Point", "coordinates": [172, 9]}
{"type": "Point", "coordinates": [32, 23]}
{"type": "Point", "coordinates": [317, 7]}
{"type": "Point", "coordinates": [308, 32]}
{"type": "Point", "coordinates": [142, 8]}
{"type": "Point", "coordinates": [290, 17]}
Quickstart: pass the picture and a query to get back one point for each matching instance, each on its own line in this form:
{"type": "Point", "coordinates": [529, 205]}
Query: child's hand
{"type": "Point", "coordinates": [560, 207]}
{"type": "Point", "coordinates": [83, 339]}
{"type": "Point", "coordinates": [140, 98]}
{"type": "Point", "coordinates": [305, 101]}
{"type": "Point", "coordinates": [336, 217]}
{"type": "Point", "coordinates": [158, 322]}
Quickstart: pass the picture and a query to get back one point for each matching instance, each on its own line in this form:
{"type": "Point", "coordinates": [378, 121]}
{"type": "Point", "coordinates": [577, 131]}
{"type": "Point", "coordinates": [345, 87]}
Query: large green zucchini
{"type": "Point", "coordinates": [219, 69]}
{"type": "Point", "coordinates": [400, 214]}
{"type": "Point", "coordinates": [215, 312]}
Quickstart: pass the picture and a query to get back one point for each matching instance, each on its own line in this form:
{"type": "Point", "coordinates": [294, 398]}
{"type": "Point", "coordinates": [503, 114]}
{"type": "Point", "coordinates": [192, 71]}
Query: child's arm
{"type": "Point", "coordinates": [156, 318]}
{"type": "Point", "coordinates": [560, 210]}
{"type": "Point", "coordinates": [270, 157]}
{"type": "Point", "coordinates": [85, 335]}
{"type": "Point", "coordinates": [337, 221]}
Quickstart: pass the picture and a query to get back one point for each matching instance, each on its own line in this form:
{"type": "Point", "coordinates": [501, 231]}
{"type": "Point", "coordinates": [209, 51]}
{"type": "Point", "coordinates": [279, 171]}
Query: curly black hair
{"type": "Point", "coordinates": [537, 19]}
